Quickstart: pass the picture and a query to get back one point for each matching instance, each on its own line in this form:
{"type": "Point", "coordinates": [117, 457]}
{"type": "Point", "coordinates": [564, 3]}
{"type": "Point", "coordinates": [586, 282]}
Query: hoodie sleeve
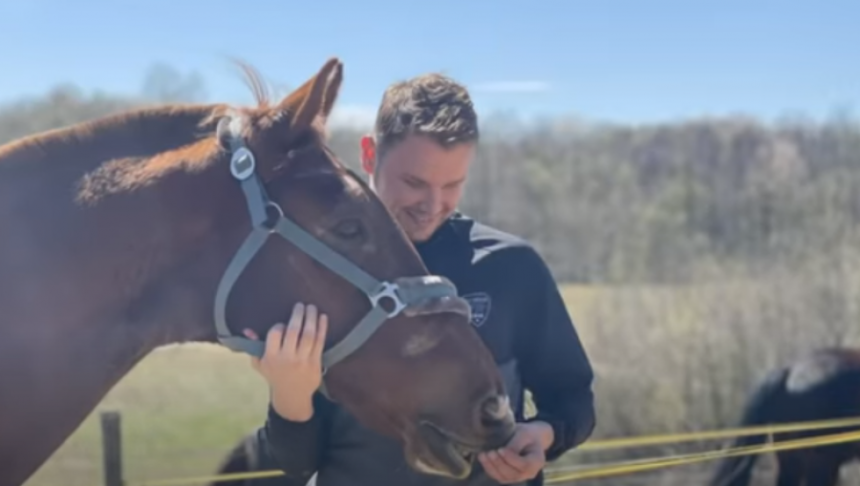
{"type": "Point", "coordinates": [297, 447]}
{"type": "Point", "coordinates": [554, 365]}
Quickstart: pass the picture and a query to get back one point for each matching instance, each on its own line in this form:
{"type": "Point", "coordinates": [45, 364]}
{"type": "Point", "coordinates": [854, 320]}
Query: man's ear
{"type": "Point", "coordinates": [368, 154]}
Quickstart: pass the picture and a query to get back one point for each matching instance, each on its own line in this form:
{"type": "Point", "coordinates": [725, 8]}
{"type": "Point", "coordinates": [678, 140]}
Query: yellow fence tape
{"type": "Point", "coordinates": [686, 459]}
{"type": "Point", "coordinates": [629, 467]}
{"type": "Point", "coordinates": [649, 440]}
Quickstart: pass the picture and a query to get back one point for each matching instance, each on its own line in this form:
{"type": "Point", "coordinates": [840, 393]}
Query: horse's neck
{"type": "Point", "coordinates": [90, 218]}
{"type": "Point", "coordinates": [93, 234]}
{"type": "Point", "coordinates": [82, 147]}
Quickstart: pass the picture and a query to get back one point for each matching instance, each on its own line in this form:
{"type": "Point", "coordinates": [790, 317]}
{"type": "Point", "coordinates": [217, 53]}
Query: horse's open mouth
{"type": "Point", "coordinates": [450, 455]}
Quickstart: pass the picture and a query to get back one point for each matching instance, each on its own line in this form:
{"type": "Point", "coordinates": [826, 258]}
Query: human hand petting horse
{"type": "Point", "coordinates": [292, 367]}
{"type": "Point", "coordinates": [292, 361]}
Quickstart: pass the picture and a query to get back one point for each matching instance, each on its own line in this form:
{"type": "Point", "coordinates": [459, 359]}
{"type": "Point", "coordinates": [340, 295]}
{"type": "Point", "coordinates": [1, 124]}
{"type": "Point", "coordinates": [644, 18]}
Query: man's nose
{"type": "Point", "coordinates": [434, 202]}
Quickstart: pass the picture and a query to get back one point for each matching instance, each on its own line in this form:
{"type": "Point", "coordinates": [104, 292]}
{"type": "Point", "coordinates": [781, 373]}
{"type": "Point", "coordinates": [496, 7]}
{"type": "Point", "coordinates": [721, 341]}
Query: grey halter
{"type": "Point", "coordinates": [415, 295]}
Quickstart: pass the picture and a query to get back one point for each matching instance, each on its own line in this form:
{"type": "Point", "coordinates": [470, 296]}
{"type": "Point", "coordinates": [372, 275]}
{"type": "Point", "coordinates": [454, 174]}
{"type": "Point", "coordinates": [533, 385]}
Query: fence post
{"type": "Point", "coordinates": [112, 448]}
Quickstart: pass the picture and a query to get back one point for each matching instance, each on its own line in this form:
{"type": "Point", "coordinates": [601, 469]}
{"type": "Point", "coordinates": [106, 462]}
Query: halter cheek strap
{"type": "Point", "coordinates": [404, 293]}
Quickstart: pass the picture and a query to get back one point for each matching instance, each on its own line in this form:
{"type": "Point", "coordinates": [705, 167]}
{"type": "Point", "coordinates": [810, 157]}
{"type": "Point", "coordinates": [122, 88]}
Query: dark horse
{"type": "Point", "coordinates": [121, 235]}
{"type": "Point", "coordinates": [824, 385]}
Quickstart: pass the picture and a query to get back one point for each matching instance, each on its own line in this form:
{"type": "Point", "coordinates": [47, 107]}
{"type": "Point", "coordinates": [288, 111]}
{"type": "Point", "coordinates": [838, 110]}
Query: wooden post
{"type": "Point", "coordinates": [112, 448]}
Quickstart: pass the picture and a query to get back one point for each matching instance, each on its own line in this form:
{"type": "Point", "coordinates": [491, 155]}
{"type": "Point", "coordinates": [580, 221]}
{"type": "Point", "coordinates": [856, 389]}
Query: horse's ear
{"type": "Point", "coordinates": [332, 91]}
{"type": "Point", "coordinates": [314, 98]}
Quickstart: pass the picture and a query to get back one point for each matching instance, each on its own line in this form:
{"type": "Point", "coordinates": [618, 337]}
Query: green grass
{"type": "Point", "coordinates": [184, 407]}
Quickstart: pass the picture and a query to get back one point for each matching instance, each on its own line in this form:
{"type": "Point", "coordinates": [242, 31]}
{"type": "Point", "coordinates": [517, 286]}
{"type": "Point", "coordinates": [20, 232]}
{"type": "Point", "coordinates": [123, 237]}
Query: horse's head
{"type": "Point", "coordinates": [401, 354]}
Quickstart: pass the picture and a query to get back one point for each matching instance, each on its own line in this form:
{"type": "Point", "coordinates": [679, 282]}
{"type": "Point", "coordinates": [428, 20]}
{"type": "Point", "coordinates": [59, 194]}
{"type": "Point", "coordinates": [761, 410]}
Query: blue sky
{"type": "Point", "coordinates": [632, 61]}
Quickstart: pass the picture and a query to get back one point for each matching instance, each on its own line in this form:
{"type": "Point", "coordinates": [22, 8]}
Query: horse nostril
{"type": "Point", "coordinates": [495, 409]}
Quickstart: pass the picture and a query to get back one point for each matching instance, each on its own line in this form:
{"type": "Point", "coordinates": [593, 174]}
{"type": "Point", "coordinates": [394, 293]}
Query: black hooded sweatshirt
{"type": "Point", "coordinates": [519, 314]}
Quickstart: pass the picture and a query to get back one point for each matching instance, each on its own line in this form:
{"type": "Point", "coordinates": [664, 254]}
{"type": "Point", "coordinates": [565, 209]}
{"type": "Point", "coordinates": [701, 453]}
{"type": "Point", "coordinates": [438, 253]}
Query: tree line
{"type": "Point", "coordinates": [610, 202]}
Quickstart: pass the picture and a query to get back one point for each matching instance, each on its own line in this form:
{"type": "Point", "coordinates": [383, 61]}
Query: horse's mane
{"type": "Point", "coordinates": [130, 123]}
{"type": "Point", "coordinates": [124, 150]}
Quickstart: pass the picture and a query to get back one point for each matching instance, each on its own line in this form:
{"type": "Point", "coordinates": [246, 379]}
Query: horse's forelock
{"type": "Point", "coordinates": [255, 82]}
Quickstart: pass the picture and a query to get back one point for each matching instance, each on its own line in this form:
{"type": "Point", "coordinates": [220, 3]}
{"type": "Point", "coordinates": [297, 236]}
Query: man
{"type": "Point", "coordinates": [425, 139]}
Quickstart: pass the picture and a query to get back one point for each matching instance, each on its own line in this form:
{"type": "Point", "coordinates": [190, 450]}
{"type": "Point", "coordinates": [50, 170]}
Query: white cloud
{"type": "Point", "coordinates": [353, 116]}
{"type": "Point", "coordinates": [512, 87]}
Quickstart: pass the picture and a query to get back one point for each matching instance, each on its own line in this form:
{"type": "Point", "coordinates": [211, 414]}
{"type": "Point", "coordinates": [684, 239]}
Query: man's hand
{"type": "Point", "coordinates": [523, 457]}
{"type": "Point", "coordinates": [292, 363]}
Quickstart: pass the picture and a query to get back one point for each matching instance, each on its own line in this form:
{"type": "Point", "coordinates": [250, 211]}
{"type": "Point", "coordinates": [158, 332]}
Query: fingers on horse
{"type": "Point", "coordinates": [273, 339]}
{"type": "Point", "coordinates": [498, 468]}
{"type": "Point", "coordinates": [294, 328]}
{"type": "Point", "coordinates": [309, 331]}
{"type": "Point", "coordinates": [514, 460]}
{"type": "Point", "coordinates": [319, 341]}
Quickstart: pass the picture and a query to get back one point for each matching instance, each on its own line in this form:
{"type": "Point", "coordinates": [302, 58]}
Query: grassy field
{"type": "Point", "coordinates": [182, 409]}
{"type": "Point", "coordinates": [696, 350]}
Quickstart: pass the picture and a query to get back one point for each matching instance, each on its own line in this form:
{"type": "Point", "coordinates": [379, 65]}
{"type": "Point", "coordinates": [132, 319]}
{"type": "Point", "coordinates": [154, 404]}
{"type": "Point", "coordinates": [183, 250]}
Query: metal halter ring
{"type": "Point", "coordinates": [242, 164]}
{"type": "Point", "coordinates": [388, 289]}
{"type": "Point", "coordinates": [272, 227]}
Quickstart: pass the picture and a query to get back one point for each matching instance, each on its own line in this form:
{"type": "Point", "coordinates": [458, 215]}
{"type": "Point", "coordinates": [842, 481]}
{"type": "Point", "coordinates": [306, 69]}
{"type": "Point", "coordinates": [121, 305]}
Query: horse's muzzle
{"type": "Point", "coordinates": [433, 294]}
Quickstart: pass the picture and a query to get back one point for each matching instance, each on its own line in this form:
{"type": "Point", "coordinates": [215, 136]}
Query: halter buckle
{"type": "Point", "coordinates": [389, 290]}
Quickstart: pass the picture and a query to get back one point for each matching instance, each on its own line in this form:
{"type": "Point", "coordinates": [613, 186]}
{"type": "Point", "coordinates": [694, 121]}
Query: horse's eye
{"type": "Point", "coordinates": [348, 229]}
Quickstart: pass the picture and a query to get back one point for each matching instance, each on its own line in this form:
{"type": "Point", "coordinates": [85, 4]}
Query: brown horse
{"type": "Point", "coordinates": [824, 385]}
{"type": "Point", "coordinates": [127, 233]}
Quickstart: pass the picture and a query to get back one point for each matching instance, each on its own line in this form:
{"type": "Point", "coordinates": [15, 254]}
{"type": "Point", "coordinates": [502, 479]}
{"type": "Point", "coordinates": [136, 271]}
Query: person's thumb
{"type": "Point", "coordinates": [522, 443]}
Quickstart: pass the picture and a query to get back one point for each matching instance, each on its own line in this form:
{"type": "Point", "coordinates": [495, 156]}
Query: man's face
{"type": "Point", "coordinates": [419, 181]}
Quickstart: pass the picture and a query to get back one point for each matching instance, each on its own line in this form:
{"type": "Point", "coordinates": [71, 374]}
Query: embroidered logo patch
{"type": "Point", "coordinates": [480, 303]}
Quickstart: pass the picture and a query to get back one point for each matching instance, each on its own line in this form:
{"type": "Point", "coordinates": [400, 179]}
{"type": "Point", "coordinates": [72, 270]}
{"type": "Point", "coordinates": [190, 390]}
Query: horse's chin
{"type": "Point", "coordinates": [432, 451]}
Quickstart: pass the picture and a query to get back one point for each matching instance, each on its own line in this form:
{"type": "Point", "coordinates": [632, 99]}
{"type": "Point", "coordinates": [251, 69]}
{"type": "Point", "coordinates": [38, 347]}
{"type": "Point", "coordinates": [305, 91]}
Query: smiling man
{"type": "Point", "coordinates": [418, 159]}
{"type": "Point", "coordinates": [422, 180]}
